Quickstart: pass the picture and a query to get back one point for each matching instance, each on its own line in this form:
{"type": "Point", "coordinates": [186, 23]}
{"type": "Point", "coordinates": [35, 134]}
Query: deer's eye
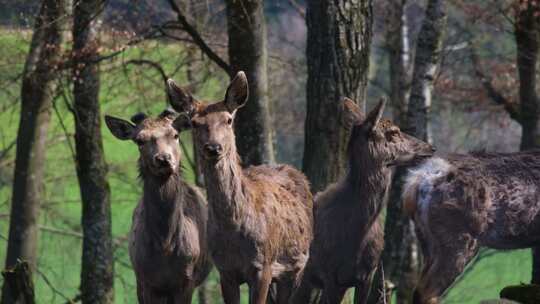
{"type": "Point", "coordinates": [176, 136]}
{"type": "Point", "coordinates": [229, 121]}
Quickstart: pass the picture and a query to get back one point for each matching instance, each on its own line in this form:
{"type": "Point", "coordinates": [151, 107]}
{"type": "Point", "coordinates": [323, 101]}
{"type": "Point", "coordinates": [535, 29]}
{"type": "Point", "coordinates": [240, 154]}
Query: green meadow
{"type": "Point", "coordinates": [126, 90]}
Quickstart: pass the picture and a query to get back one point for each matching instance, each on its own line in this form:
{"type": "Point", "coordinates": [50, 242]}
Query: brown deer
{"type": "Point", "coordinates": [461, 202]}
{"type": "Point", "coordinates": [260, 218]}
{"type": "Point", "coordinates": [348, 237]}
{"type": "Point", "coordinates": [167, 243]}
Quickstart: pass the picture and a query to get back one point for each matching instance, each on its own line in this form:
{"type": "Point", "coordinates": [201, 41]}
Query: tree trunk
{"type": "Point", "coordinates": [400, 255]}
{"type": "Point", "coordinates": [338, 47]}
{"type": "Point", "coordinates": [37, 93]}
{"type": "Point", "coordinates": [526, 32]}
{"type": "Point", "coordinates": [97, 254]}
{"type": "Point", "coordinates": [426, 65]}
{"type": "Point", "coordinates": [247, 52]}
{"type": "Point", "coordinates": [19, 279]}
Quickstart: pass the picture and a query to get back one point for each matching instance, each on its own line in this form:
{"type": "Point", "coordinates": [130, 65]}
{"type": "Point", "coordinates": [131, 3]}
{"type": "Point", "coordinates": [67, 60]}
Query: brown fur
{"type": "Point", "coordinates": [167, 242]}
{"type": "Point", "coordinates": [260, 218]}
{"type": "Point", "coordinates": [348, 237]}
{"type": "Point", "coordinates": [463, 202]}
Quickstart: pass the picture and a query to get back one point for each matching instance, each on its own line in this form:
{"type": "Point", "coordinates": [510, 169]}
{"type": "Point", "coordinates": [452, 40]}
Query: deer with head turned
{"type": "Point", "coordinates": [260, 217]}
{"type": "Point", "coordinates": [348, 237]}
{"type": "Point", "coordinates": [461, 202]}
{"type": "Point", "coordinates": [167, 241]}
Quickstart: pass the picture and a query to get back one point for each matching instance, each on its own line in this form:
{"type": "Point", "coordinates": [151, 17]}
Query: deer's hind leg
{"type": "Point", "coordinates": [446, 263]}
{"type": "Point", "coordinates": [260, 286]}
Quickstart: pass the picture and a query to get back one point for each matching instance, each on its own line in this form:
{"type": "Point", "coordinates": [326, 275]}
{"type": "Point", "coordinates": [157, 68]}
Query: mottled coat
{"type": "Point", "coordinates": [168, 237]}
{"type": "Point", "coordinates": [260, 218]}
{"type": "Point", "coordinates": [461, 202]}
{"type": "Point", "coordinates": [348, 237]}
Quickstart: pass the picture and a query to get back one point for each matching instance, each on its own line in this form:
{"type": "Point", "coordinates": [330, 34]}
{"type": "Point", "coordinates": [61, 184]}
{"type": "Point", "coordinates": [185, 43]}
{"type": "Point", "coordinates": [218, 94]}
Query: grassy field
{"type": "Point", "coordinates": [125, 92]}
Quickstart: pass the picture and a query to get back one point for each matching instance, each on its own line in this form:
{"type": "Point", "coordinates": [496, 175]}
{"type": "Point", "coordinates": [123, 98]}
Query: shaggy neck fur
{"type": "Point", "coordinates": [163, 200]}
{"type": "Point", "coordinates": [226, 192]}
{"type": "Point", "coordinates": [368, 182]}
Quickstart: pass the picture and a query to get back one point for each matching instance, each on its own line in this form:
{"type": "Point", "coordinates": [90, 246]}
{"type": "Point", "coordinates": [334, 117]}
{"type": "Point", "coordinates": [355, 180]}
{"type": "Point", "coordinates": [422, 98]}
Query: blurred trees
{"type": "Point", "coordinates": [246, 26]}
{"type": "Point", "coordinates": [338, 50]}
{"type": "Point", "coordinates": [37, 93]}
{"type": "Point", "coordinates": [97, 254]}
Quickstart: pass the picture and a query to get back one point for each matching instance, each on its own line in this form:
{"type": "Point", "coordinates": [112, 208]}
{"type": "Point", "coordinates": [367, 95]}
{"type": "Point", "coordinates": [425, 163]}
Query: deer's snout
{"type": "Point", "coordinates": [213, 149]}
{"type": "Point", "coordinates": [163, 160]}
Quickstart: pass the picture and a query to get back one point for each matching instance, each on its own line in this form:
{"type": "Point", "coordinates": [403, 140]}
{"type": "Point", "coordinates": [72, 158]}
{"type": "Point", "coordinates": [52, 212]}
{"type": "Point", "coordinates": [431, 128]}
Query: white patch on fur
{"type": "Point", "coordinates": [424, 177]}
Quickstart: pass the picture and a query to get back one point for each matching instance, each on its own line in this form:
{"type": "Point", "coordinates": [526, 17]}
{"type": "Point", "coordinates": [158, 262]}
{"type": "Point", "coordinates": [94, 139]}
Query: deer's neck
{"type": "Point", "coordinates": [226, 190]}
{"type": "Point", "coordinates": [369, 184]}
{"type": "Point", "coordinates": [163, 201]}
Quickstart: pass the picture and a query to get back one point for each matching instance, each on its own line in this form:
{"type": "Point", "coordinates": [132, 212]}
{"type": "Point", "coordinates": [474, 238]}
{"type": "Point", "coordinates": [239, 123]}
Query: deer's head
{"type": "Point", "coordinates": [379, 141]}
{"type": "Point", "coordinates": [157, 139]}
{"type": "Point", "coordinates": [213, 123]}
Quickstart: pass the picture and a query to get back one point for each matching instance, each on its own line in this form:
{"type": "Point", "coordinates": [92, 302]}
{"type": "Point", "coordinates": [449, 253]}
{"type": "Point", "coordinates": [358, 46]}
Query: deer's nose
{"type": "Point", "coordinates": [163, 159]}
{"type": "Point", "coordinates": [213, 149]}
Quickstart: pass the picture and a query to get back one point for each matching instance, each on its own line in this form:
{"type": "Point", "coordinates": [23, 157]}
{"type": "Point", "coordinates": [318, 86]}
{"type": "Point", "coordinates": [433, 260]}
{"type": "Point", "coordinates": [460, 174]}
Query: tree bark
{"type": "Point", "coordinates": [247, 52]}
{"type": "Point", "coordinates": [338, 47]}
{"type": "Point", "coordinates": [526, 31]}
{"type": "Point", "coordinates": [97, 254]}
{"type": "Point", "coordinates": [21, 286]}
{"type": "Point", "coordinates": [37, 92]}
{"type": "Point", "coordinates": [426, 65]}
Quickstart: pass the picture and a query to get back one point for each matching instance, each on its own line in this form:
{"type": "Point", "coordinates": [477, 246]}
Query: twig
{"type": "Point", "coordinates": [198, 40]}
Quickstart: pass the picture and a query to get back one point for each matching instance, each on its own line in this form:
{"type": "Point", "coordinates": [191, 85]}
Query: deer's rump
{"type": "Point", "coordinates": [493, 197]}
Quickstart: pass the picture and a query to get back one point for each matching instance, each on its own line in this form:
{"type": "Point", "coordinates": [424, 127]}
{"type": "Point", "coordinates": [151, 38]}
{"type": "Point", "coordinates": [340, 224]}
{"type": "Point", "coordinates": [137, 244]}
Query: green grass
{"type": "Point", "coordinates": [123, 93]}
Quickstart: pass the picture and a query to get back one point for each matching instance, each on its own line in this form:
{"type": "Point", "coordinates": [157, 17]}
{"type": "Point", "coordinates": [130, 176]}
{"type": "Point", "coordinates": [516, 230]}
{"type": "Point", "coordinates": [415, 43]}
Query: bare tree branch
{"type": "Point", "coordinates": [491, 91]}
{"type": "Point", "coordinates": [198, 40]}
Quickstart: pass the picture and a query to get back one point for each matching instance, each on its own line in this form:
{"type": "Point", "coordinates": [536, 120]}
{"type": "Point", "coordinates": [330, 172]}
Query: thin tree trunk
{"type": "Point", "coordinates": [338, 48]}
{"type": "Point", "coordinates": [400, 255]}
{"type": "Point", "coordinates": [247, 52]}
{"type": "Point", "coordinates": [37, 92]}
{"type": "Point", "coordinates": [97, 254]}
{"type": "Point", "coordinates": [426, 65]}
{"type": "Point", "coordinates": [526, 32]}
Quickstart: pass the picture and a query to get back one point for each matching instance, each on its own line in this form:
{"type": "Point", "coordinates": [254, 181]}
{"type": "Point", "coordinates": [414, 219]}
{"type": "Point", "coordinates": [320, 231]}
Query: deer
{"type": "Point", "coordinates": [260, 218]}
{"type": "Point", "coordinates": [462, 202]}
{"type": "Point", "coordinates": [348, 235]}
{"type": "Point", "coordinates": [168, 238]}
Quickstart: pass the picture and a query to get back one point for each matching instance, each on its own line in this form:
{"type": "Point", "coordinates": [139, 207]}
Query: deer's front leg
{"type": "Point", "coordinates": [259, 286]}
{"type": "Point", "coordinates": [230, 289]}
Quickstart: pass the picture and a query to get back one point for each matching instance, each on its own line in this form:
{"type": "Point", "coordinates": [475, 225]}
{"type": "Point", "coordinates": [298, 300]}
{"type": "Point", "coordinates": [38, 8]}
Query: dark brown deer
{"type": "Point", "coordinates": [462, 202]}
{"type": "Point", "coordinates": [167, 243]}
{"type": "Point", "coordinates": [348, 238]}
{"type": "Point", "coordinates": [260, 218]}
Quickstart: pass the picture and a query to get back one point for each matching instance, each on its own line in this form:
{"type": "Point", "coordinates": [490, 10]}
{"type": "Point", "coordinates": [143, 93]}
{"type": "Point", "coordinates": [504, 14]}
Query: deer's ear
{"type": "Point", "coordinates": [237, 92]}
{"type": "Point", "coordinates": [352, 115]}
{"type": "Point", "coordinates": [374, 116]}
{"type": "Point", "coordinates": [121, 129]}
{"type": "Point", "coordinates": [180, 100]}
{"type": "Point", "coordinates": [182, 122]}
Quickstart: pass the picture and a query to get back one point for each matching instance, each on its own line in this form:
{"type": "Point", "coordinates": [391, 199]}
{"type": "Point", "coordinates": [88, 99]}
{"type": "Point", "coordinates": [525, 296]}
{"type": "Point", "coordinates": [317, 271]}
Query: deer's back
{"type": "Point", "coordinates": [496, 196]}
